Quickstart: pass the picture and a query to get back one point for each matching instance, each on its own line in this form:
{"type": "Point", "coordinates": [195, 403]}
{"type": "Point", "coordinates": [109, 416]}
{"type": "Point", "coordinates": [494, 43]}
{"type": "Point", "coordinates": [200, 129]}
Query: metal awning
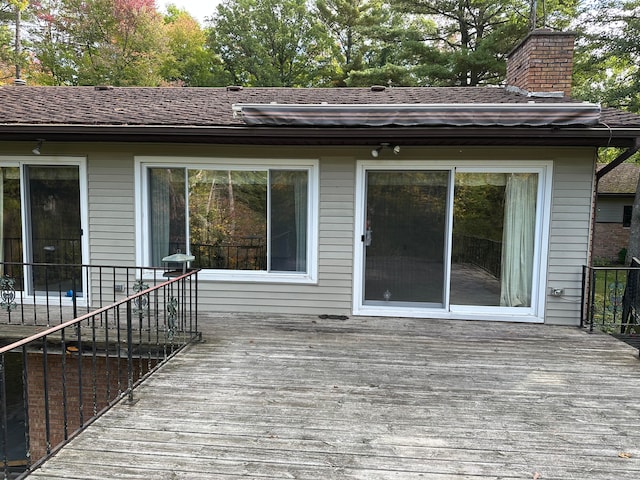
{"type": "Point", "coordinates": [420, 115]}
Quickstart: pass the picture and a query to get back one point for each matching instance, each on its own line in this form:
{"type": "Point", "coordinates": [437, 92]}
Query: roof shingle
{"type": "Point", "coordinates": [213, 106]}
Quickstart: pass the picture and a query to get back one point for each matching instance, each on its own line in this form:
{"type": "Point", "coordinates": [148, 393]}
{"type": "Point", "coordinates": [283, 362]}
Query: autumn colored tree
{"type": "Point", "coordinates": [88, 42]}
{"type": "Point", "coordinates": [190, 63]}
{"type": "Point", "coordinates": [12, 57]}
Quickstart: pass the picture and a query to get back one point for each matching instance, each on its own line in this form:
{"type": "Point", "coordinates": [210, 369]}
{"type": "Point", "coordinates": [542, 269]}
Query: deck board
{"type": "Point", "coordinates": [374, 398]}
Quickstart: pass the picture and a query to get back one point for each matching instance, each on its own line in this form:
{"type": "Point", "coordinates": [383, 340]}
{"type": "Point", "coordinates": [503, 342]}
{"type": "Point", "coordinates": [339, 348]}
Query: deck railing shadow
{"type": "Point", "coordinates": [55, 383]}
{"type": "Point", "coordinates": [611, 301]}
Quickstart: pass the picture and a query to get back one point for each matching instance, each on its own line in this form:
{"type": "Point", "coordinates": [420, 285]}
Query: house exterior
{"type": "Point", "coordinates": [616, 192]}
{"type": "Point", "coordinates": [460, 203]}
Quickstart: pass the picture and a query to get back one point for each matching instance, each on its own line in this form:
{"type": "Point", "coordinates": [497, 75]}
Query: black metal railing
{"type": "Point", "coordinates": [250, 253]}
{"type": "Point", "coordinates": [611, 300]}
{"type": "Point", "coordinates": [45, 294]}
{"type": "Point", "coordinates": [55, 383]}
{"type": "Point", "coordinates": [481, 252]}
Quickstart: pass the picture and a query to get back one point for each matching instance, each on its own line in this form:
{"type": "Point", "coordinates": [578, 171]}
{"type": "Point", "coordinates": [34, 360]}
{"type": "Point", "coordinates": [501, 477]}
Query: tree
{"type": "Point", "coordinates": [475, 35]}
{"type": "Point", "coordinates": [272, 43]}
{"type": "Point", "coordinates": [608, 71]}
{"type": "Point", "coordinates": [608, 55]}
{"type": "Point", "coordinates": [12, 58]}
{"type": "Point", "coordinates": [397, 54]}
{"type": "Point", "coordinates": [89, 42]}
{"type": "Point", "coordinates": [348, 22]}
{"type": "Point", "coordinates": [190, 62]}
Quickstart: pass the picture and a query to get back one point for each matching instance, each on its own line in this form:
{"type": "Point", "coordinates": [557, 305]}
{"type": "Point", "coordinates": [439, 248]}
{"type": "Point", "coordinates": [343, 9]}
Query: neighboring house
{"type": "Point", "coordinates": [457, 203]}
{"type": "Point", "coordinates": [616, 192]}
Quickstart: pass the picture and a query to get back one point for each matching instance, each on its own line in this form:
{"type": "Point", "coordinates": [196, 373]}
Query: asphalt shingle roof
{"type": "Point", "coordinates": [622, 180]}
{"type": "Point", "coordinates": [213, 106]}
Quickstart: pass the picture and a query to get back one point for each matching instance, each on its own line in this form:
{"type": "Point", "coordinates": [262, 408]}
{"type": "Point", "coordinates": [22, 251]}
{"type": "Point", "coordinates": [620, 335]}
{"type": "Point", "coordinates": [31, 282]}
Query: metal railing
{"type": "Point", "coordinates": [45, 294]}
{"type": "Point", "coordinates": [481, 252]}
{"type": "Point", "coordinates": [248, 254]}
{"type": "Point", "coordinates": [611, 300]}
{"type": "Point", "coordinates": [55, 383]}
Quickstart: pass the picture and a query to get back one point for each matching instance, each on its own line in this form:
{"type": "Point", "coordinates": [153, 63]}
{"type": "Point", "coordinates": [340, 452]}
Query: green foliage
{"type": "Point", "coordinates": [190, 62]}
{"type": "Point", "coordinates": [607, 64]}
{"type": "Point", "coordinates": [272, 43]}
{"type": "Point", "coordinates": [473, 37]}
{"type": "Point", "coordinates": [89, 42]}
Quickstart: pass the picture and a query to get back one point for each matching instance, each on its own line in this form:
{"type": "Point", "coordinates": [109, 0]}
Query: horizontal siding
{"type": "Point", "coordinates": [112, 233]}
{"type": "Point", "coordinates": [569, 236]}
{"type": "Point", "coordinates": [611, 210]}
{"type": "Point", "coordinates": [111, 209]}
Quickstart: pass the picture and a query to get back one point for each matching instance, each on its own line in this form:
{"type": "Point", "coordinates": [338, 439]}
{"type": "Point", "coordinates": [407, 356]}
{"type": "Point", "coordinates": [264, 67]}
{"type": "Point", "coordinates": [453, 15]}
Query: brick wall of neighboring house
{"type": "Point", "coordinates": [95, 397]}
{"type": "Point", "coordinates": [542, 62]}
{"type": "Point", "coordinates": [608, 240]}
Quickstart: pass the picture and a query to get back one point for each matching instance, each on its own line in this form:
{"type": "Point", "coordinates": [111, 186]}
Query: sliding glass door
{"type": "Point", "coordinates": [405, 234]}
{"type": "Point", "coordinates": [463, 241]}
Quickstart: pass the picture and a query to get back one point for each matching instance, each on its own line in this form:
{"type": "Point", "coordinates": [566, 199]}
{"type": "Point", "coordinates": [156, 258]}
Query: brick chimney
{"type": "Point", "coordinates": [542, 63]}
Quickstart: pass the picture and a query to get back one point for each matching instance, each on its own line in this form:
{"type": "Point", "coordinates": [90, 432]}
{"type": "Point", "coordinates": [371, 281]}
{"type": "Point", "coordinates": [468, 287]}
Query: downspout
{"type": "Point", "coordinates": [586, 281]}
{"type": "Point", "coordinates": [623, 157]}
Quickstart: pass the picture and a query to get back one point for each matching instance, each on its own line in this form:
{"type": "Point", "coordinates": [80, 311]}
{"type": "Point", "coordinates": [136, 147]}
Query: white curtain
{"type": "Point", "coordinates": [518, 239]}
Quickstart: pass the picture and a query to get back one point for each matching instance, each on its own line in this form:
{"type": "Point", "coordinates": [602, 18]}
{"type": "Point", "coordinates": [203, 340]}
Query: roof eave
{"type": "Point", "coordinates": [240, 134]}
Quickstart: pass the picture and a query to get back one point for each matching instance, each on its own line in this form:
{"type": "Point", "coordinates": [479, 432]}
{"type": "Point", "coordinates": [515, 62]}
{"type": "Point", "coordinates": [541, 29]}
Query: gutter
{"type": "Point", "coordinates": [241, 134]}
{"type": "Point", "coordinates": [623, 157]}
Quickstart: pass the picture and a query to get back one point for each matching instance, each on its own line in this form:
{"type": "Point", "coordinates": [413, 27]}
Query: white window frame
{"type": "Point", "coordinates": [23, 161]}
{"type": "Point", "coordinates": [143, 163]}
{"type": "Point", "coordinates": [532, 314]}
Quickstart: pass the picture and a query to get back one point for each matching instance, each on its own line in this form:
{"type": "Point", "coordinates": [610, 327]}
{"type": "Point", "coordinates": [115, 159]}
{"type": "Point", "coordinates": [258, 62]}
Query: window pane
{"type": "Point", "coordinates": [54, 210]}
{"type": "Point", "coordinates": [167, 217]}
{"type": "Point", "coordinates": [11, 224]}
{"type": "Point", "coordinates": [493, 239]}
{"type": "Point", "coordinates": [289, 220]}
{"type": "Point", "coordinates": [405, 237]}
{"type": "Point", "coordinates": [228, 219]}
{"type": "Point", "coordinates": [627, 214]}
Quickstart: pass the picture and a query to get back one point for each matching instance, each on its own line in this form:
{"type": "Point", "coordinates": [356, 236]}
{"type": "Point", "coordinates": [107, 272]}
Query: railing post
{"type": "Point", "coordinates": [74, 295]}
{"type": "Point", "coordinates": [584, 295]}
{"type": "Point", "coordinates": [25, 400]}
{"type": "Point", "coordinates": [4, 419]}
{"type": "Point", "coordinates": [129, 351]}
{"type": "Point", "coordinates": [592, 299]}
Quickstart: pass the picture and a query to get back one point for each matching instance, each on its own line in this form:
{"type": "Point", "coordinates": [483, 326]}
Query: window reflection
{"type": "Point", "coordinates": [493, 239]}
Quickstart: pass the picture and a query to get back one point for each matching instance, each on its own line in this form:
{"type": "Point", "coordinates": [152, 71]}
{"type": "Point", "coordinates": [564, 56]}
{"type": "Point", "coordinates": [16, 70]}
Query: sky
{"type": "Point", "coordinates": [199, 9]}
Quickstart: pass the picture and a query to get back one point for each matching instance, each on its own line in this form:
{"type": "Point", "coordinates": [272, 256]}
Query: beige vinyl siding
{"type": "Point", "coordinates": [111, 209]}
{"type": "Point", "coordinates": [112, 226]}
{"type": "Point", "coordinates": [571, 212]}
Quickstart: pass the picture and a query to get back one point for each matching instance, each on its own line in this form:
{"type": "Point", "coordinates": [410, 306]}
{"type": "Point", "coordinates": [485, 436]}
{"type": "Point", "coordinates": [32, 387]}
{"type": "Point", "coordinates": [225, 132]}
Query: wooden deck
{"type": "Point", "coordinates": [374, 398]}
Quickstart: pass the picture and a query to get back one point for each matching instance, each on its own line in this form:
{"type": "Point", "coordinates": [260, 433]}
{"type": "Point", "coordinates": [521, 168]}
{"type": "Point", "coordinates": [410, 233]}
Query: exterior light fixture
{"type": "Point", "coordinates": [36, 150]}
{"type": "Point", "coordinates": [375, 153]}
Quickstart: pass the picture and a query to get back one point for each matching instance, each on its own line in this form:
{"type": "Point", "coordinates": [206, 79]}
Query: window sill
{"type": "Point", "coordinates": [256, 277]}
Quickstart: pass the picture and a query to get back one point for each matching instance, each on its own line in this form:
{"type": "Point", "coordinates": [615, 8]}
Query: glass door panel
{"type": "Point", "coordinates": [494, 221]}
{"type": "Point", "coordinates": [406, 226]}
{"type": "Point", "coordinates": [55, 228]}
{"type": "Point", "coordinates": [11, 225]}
